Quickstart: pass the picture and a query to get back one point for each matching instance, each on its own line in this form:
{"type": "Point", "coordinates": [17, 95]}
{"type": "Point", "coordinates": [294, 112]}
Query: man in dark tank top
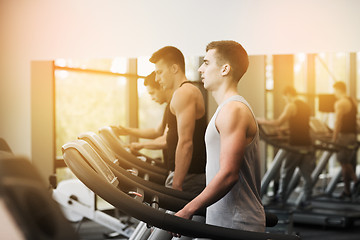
{"type": "Point", "coordinates": [345, 134]}
{"type": "Point", "coordinates": [196, 167]}
{"type": "Point", "coordinates": [186, 121]}
{"type": "Point", "coordinates": [157, 134]}
{"type": "Point", "coordinates": [297, 114]}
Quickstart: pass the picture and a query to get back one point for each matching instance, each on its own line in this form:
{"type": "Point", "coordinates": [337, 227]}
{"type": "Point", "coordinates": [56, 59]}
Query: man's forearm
{"type": "Point", "coordinates": [183, 159]}
{"type": "Point", "coordinates": [336, 128]}
{"type": "Point", "coordinates": [217, 188]}
{"type": "Point", "coordinates": [268, 122]}
{"type": "Point", "coordinates": [149, 133]}
{"type": "Point", "coordinates": [335, 133]}
{"type": "Point", "coordinates": [154, 145]}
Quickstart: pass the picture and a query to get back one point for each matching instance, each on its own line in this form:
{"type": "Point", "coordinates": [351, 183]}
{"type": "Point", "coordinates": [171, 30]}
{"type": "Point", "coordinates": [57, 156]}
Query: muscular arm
{"type": "Point", "coordinates": [183, 106]}
{"type": "Point", "coordinates": [157, 143]}
{"type": "Point", "coordinates": [340, 107]}
{"type": "Point", "coordinates": [232, 126]}
{"type": "Point", "coordinates": [149, 133]}
{"type": "Point", "coordinates": [284, 116]}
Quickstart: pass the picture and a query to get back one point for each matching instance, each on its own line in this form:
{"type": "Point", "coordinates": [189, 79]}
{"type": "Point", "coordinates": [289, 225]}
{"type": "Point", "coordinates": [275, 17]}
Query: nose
{"type": "Point", "coordinates": [200, 68]}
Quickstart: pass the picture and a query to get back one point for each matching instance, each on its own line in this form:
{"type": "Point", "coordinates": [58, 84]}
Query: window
{"type": "Point", "coordinates": [324, 69]}
{"type": "Point", "coordinates": [150, 112]}
{"type": "Point", "coordinates": [300, 78]}
{"type": "Point", "coordinates": [87, 100]}
{"type": "Point", "coordinates": [329, 68]}
{"type": "Point", "coordinates": [90, 94]}
{"type": "Point", "coordinates": [358, 79]}
{"type": "Point", "coordinates": [269, 87]}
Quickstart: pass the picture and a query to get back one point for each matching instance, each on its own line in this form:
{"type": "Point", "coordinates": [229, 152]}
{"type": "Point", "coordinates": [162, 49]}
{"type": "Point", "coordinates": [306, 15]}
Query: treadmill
{"type": "Point", "coordinates": [87, 165]}
{"type": "Point", "coordinates": [109, 159]}
{"type": "Point", "coordinates": [111, 136]}
{"type": "Point", "coordinates": [153, 161]}
{"type": "Point", "coordinates": [271, 136]}
{"type": "Point", "coordinates": [327, 210]}
{"type": "Point", "coordinates": [127, 160]}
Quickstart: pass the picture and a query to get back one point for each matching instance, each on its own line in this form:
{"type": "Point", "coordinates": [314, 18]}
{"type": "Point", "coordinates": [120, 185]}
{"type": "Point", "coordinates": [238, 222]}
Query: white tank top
{"type": "Point", "coordinates": [241, 208]}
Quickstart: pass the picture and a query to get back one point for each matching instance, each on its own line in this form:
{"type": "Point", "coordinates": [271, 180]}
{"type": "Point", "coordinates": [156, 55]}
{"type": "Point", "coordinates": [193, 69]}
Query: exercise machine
{"type": "Point", "coordinates": [116, 132]}
{"type": "Point", "coordinates": [109, 158]}
{"type": "Point", "coordinates": [134, 205]}
{"type": "Point", "coordinates": [271, 136]}
{"type": "Point", "coordinates": [325, 209]}
{"type": "Point", "coordinates": [129, 160]}
{"type": "Point", "coordinates": [78, 203]}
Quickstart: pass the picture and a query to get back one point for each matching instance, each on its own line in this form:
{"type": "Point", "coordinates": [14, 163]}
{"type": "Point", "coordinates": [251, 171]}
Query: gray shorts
{"type": "Point", "coordinates": [345, 155]}
{"type": "Point", "coordinates": [193, 183]}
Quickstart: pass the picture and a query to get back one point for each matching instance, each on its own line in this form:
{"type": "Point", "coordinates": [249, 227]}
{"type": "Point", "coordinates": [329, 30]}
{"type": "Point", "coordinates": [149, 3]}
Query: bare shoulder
{"type": "Point", "coordinates": [342, 103]}
{"type": "Point", "coordinates": [184, 96]}
{"type": "Point", "coordinates": [236, 119]}
{"type": "Point", "coordinates": [234, 112]}
{"type": "Point", "coordinates": [290, 108]}
{"type": "Point", "coordinates": [236, 106]}
{"type": "Point", "coordinates": [187, 90]}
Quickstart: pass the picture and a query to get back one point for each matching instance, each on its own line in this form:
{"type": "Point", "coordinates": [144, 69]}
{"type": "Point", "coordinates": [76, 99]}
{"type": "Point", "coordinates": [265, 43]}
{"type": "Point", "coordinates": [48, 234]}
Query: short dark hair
{"type": "Point", "coordinates": [340, 86]}
{"type": "Point", "coordinates": [231, 52]}
{"type": "Point", "coordinates": [289, 90]}
{"type": "Point", "coordinates": [150, 81]}
{"type": "Point", "coordinates": [171, 55]}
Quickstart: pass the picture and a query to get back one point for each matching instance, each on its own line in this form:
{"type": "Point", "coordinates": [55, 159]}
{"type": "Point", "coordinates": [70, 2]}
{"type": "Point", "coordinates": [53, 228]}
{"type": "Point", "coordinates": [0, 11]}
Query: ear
{"type": "Point", "coordinates": [225, 70]}
{"type": "Point", "coordinates": [174, 68]}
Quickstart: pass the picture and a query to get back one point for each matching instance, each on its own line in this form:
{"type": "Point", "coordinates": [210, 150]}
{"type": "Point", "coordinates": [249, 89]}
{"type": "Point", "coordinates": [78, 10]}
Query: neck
{"type": "Point", "coordinates": [343, 95]}
{"type": "Point", "coordinates": [178, 81]}
{"type": "Point", "coordinates": [292, 99]}
{"type": "Point", "coordinates": [224, 92]}
{"type": "Point", "coordinates": [168, 95]}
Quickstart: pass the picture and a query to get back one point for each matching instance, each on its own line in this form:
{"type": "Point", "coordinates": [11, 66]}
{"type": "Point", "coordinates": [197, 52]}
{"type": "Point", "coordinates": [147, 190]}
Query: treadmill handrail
{"type": "Point", "coordinates": [120, 173]}
{"type": "Point", "coordinates": [99, 166]}
{"type": "Point", "coordinates": [97, 143]}
{"type": "Point", "coordinates": [133, 162]}
{"type": "Point", "coordinates": [85, 153]}
{"type": "Point", "coordinates": [158, 218]}
{"type": "Point", "coordinates": [109, 160]}
{"type": "Point", "coordinates": [339, 146]}
{"type": "Point", "coordinates": [115, 143]}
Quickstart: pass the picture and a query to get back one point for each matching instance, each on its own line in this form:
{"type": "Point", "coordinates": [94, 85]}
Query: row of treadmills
{"type": "Point", "coordinates": [326, 208]}
{"type": "Point", "coordinates": [134, 185]}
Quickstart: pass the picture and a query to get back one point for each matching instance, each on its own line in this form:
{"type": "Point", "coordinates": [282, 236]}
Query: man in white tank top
{"type": "Point", "coordinates": [233, 164]}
